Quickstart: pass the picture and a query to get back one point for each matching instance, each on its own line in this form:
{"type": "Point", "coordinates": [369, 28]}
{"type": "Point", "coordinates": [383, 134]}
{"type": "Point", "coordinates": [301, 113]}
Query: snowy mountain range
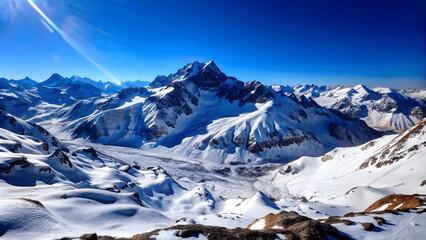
{"type": "Point", "coordinates": [384, 109]}
{"type": "Point", "coordinates": [26, 97]}
{"type": "Point", "coordinates": [203, 155]}
{"type": "Point", "coordinates": [110, 87]}
{"type": "Point", "coordinates": [204, 114]}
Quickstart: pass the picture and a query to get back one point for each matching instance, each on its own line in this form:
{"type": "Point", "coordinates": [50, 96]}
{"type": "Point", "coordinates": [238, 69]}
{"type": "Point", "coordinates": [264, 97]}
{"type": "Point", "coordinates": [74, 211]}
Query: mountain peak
{"type": "Point", "coordinates": [54, 81]}
{"type": "Point", "coordinates": [212, 65]}
{"type": "Point", "coordinates": [363, 89]}
{"type": "Point", "coordinates": [361, 86]}
{"type": "Point", "coordinates": [208, 76]}
{"type": "Point", "coordinates": [207, 71]}
{"type": "Point", "coordinates": [55, 76]}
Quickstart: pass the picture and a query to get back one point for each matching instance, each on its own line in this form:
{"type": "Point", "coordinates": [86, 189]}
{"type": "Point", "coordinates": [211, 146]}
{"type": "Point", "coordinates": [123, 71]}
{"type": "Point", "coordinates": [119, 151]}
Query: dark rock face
{"type": "Point", "coordinates": [302, 113]}
{"type": "Point", "coordinates": [45, 146]}
{"type": "Point", "coordinates": [123, 94]}
{"type": "Point", "coordinates": [279, 140]}
{"type": "Point", "coordinates": [92, 151]}
{"type": "Point", "coordinates": [175, 99]}
{"type": "Point", "coordinates": [332, 220]}
{"type": "Point", "coordinates": [62, 157]}
{"type": "Point", "coordinates": [307, 102]}
{"type": "Point", "coordinates": [161, 81]}
{"type": "Point", "coordinates": [209, 77]}
{"type": "Point", "coordinates": [254, 172]}
{"type": "Point", "coordinates": [249, 92]}
{"type": "Point", "coordinates": [340, 133]}
{"type": "Point", "coordinates": [7, 167]}
{"type": "Point", "coordinates": [45, 169]}
{"type": "Point", "coordinates": [287, 169]}
{"type": "Point", "coordinates": [15, 147]}
{"type": "Point", "coordinates": [368, 226]}
{"type": "Point", "coordinates": [89, 236]}
{"type": "Point", "coordinates": [87, 129]}
{"type": "Point", "coordinates": [297, 139]}
{"type": "Point", "coordinates": [12, 121]}
{"type": "Point", "coordinates": [418, 113]}
{"type": "Point", "coordinates": [380, 220]}
{"type": "Point", "coordinates": [386, 105]}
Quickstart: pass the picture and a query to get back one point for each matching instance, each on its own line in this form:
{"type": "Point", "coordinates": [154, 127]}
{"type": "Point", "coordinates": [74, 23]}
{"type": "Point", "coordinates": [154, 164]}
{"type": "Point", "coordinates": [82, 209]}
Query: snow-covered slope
{"type": "Point", "coordinates": [358, 176]}
{"type": "Point", "coordinates": [80, 190]}
{"type": "Point", "coordinates": [121, 192]}
{"type": "Point", "coordinates": [45, 141]}
{"type": "Point", "coordinates": [381, 108]}
{"type": "Point", "coordinates": [204, 114]}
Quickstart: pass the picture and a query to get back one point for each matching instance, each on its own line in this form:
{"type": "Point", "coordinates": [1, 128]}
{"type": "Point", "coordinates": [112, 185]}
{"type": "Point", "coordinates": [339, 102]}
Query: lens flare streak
{"type": "Point", "coordinates": [70, 41]}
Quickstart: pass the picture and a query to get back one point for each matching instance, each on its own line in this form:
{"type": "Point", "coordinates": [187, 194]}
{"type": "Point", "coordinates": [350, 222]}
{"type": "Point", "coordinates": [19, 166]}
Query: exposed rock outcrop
{"type": "Point", "coordinates": [303, 227]}
{"type": "Point", "coordinates": [397, 202]}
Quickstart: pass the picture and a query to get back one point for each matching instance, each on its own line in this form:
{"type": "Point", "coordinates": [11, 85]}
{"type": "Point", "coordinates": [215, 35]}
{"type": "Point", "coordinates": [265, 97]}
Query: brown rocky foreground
{"type": "Point", "coordinates": [290, 224]}
{"type": "Point", "coordinates": [391, 204]}
{"type": "Point", "coordinates": [397, 202]}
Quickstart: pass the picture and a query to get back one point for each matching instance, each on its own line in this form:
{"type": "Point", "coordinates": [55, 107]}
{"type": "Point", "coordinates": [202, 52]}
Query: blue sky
{"type": "Point", "coordinates": [375, 42]}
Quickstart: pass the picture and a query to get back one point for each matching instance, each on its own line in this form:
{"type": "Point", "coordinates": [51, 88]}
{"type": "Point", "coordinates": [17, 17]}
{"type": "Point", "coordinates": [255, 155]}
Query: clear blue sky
{"type": "Point", "coordinates": [374, 42]}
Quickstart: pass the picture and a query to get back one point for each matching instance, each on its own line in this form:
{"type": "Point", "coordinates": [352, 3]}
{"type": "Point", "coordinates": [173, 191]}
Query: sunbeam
{"type": "Point", "coordinates": [68, 39]}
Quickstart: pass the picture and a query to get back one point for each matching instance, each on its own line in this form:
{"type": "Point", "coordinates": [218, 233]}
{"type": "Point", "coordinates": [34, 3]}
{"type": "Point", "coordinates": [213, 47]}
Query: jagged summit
{"type": "Point", "coordinates": [188, 71]}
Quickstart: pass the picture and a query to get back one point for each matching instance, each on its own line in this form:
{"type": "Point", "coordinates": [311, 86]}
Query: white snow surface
{"type": "Point", "coordinates": [97, 194]}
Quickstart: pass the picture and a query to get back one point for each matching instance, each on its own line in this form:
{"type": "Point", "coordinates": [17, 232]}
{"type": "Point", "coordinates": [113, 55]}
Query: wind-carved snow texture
{"type": "Point", "coordinates": [118, 191]}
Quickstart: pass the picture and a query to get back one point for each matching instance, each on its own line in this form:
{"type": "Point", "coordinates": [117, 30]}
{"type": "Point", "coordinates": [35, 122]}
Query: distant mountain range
{"type": "Point", "coordinates": [109, 87]}
{"type": "Point", "coordinates": [20, 97]}
{"type": "Point", "coordinates": [106, 87]}
{"type": "Point", "coordinates": [381, 108]}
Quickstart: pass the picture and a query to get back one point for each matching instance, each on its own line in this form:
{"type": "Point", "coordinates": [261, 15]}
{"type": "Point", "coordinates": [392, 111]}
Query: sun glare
{"type": "Point", "coordinates": [52, 27]}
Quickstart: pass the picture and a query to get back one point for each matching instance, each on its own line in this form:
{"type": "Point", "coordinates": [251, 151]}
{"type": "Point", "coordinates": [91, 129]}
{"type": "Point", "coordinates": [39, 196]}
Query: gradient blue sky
{"type": "Point", "coordinates": [328, 42]}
